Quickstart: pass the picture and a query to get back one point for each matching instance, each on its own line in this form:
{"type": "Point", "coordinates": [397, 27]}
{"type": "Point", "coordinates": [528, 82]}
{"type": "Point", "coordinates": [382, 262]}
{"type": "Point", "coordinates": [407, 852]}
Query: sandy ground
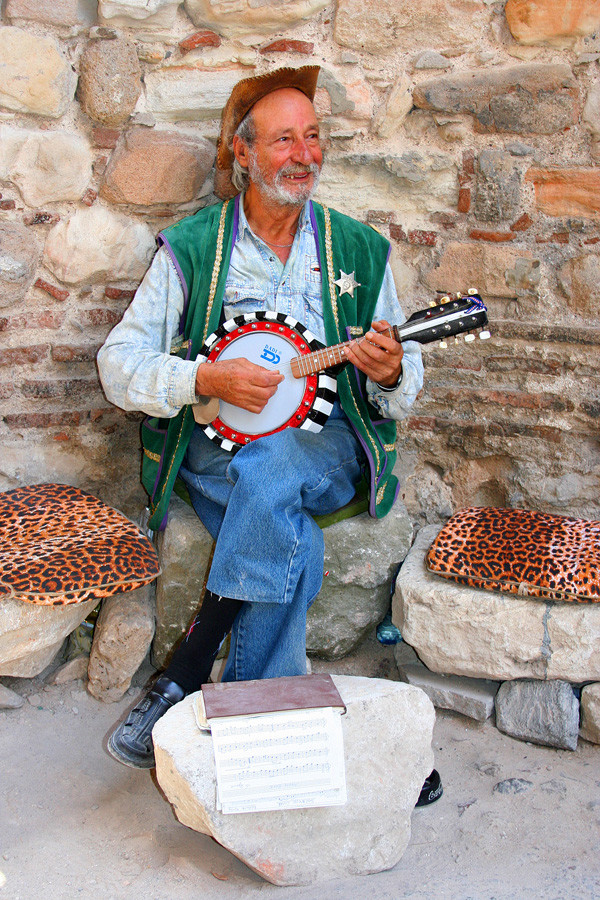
{"type": "Point", "coordinates": [74, 823]}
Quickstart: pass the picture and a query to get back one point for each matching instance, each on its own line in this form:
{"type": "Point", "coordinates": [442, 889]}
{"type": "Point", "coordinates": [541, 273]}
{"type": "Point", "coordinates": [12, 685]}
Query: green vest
{"type": "Point", "coordinates": [200, 247]}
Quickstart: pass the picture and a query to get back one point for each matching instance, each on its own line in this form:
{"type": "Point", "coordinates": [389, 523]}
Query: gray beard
{"type": "Point", "coordinates": [277, 192]}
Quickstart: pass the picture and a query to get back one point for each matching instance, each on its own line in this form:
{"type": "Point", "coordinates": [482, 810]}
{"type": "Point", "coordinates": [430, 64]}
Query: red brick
{"type": "Point", "coordinates": [20, 356]}
{"type": "Point", "coordinates": [61, 436]}
{"type": "Point", "coordinates": [560, 237]}
{"type": "Point", "coordinates": [6, 391]}
{"type": "Point", "coordinates": [101, 316]}
{"type": "Point", "coordinates": [468, 162]}
{"type": "Point", "coordinates": [397, 233]}
{"type": "Point", "coordinates": [52, 389]}
{"type": "Point", "coordinates": [46, 318]}
{"type": "Point", "coordinates": [115, 293]}
{"type": "Point", "coordinates": [527, 364]}
{"type": "Point", "coordinates": [7, 204]}
{"type": "Point", "coordinates": [41, 218]}
{"type": "Point", "coordinates": [426, 238]}
{"type": "Point", "coordinates": [203, 38]}
{"type": "Point", "coordinates": [44, 419]}
{"type": "Point", "coordinates": [51, 289]}
{"type": "Point", "coordinates": [90, 196]}
{"type": "Point", "coordinates": [513, 399]}
{"type": "Point", "coordinates": [593, 240]}
{"type": "Point", "coordinates": [464, 200]}
{"type": "Point", "coordinates": [522, 224]}
{"type": "Point", "coordinates": [105, 138]}
{"type": "Point", "coordinates": [496, 237]}
{"type": "Point", "coordinates": [287, 45]}
{"type": "Point", "coordinates": [67, 353]}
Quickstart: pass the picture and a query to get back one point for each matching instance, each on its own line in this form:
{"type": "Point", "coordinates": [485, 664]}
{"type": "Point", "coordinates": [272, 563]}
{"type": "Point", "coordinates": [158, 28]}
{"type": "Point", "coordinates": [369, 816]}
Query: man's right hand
{"type": "Point", "coordinates": [239, 382]}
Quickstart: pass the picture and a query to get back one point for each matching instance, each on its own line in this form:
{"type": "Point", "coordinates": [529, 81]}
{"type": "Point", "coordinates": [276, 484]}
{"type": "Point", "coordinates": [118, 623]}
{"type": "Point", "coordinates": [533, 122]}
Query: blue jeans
{"type": "Point", "coordinates": [258, 505]}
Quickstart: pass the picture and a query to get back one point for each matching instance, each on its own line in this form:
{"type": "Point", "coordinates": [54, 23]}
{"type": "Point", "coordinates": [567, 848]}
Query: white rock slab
{"type": "Point", "coordinates": [251, 17]}
{"type": "Point", "coordinates": [184, 93]}
{"type": "Point", "coordinates": [96, 242]}
{"type": "Point", "coordinates": [31, 635]}
{"type": "Point", "coordinates": [458, 630]}
{"type": "Point", "coordinates": [34, 76]}
{"type": "Point", "coordinates": [387, 744]}
{"type": "Point", "coordinates": [46, 166]}
{"type": "Point", "coordinates": [150, 14]}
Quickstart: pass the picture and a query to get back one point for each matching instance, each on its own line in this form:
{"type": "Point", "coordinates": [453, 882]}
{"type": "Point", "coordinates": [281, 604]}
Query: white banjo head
{"type": "Point", "coordinates": [270, 340]}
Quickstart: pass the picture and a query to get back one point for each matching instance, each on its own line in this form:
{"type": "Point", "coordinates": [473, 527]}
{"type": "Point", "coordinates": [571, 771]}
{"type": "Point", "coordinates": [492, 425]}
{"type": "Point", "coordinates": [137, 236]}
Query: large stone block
{"type": "Point", "coordinates": [46, 166]}
{"type": "Point", "coordinates": [20, 254]}
{"type": "Point", "coordinates": [491, 268]}
{"type": "Point", "coordinates": [184, 93]}
{"type": "Point", "coordinates": [457, 630]}
{"type": "Point", "coordinates": [579, 279]}
{"type": "Point", "coordinates": [361, 557]}
{"type": "Point", "coordinates": [387, 729]}
{"type": "Point", "coordinates": [567, 191]}
{"type": "Point", "coordinates": [536, 99]}
{"type": "Point", "coordinates": [544, 713]}
{"type": "Point", "coordinates": [151, 15]}
{"type": "Point", "coordinates": [34, 75]}
{"type": "Point", "coordinates": [497, 197]}
{"type": "Point", "coordinates": [96, 243]}
{"type": "Point", "coordinates": [184, 549]}
{"type": "Point", "coordinates": [152, 168]}
{"type": "Point", "coordinates": [249, 17]}
{"type": "Point", "coordinates": [378, 26]}
{"type": "Point", "coordinates": [122, 636]}
{"type": "Point", "coordinates": [69, 13]}
{"type": "Point", "coordinates": [31, 635]}
{"type": "Point", "coordinates": [109, 81]}
{"type": "Point", "coordinates": [538, 21]}
{"type": "Point", "coordinates": [590, 713]}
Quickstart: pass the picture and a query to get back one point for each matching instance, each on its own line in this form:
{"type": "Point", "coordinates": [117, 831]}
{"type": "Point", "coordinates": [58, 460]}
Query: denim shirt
{"type": "Point", "coordinates": [138, 371]}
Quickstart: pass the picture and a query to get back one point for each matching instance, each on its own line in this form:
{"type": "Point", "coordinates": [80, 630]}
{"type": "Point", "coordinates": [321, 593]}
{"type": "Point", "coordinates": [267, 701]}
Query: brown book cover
{"type": "Point", "coordinates": [246, 698]}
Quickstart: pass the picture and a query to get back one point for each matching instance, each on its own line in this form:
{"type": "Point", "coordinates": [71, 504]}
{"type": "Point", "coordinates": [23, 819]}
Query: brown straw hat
{"type": "Point", "coordinates": [243, 97]}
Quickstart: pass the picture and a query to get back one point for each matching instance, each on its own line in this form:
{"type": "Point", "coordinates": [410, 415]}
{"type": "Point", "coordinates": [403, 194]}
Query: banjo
{"type": "Point", "coordinates": [305, 398]}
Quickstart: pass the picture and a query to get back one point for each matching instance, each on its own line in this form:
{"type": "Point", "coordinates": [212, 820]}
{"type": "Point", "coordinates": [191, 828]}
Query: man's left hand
{"type": "Point", "coordinates": [378, 355]}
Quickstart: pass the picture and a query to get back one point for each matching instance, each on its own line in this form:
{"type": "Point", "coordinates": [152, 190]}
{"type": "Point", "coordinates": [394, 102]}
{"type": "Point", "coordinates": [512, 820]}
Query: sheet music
{"type": "Point", "coordinates": [282, 760]}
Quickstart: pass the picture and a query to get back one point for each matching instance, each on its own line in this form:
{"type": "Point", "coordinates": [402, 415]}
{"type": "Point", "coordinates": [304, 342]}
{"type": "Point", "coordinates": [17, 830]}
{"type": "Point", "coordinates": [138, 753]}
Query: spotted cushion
{"type": "Point", "coordinates": [61, 545]}
{"type": "Point", "coordinates": [530, 554]}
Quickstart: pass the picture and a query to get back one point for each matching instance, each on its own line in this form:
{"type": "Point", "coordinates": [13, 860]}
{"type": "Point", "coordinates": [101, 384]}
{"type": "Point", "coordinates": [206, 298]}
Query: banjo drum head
{"type": "Point", "coordinates": [270, 340]}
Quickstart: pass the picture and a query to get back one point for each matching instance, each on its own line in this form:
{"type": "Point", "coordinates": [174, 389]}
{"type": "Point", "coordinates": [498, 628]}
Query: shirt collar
{"type": "Point", "coordinates": [304, 223]}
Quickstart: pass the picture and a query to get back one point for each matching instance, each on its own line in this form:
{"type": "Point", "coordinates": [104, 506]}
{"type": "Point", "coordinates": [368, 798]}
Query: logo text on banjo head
{"type": "Point", "coordinates": [270, 355]}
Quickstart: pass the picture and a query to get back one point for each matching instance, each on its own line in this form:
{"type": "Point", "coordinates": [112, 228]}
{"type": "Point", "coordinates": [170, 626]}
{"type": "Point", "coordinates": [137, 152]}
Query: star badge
{"type": "Point", "coordinates": [347, 283]}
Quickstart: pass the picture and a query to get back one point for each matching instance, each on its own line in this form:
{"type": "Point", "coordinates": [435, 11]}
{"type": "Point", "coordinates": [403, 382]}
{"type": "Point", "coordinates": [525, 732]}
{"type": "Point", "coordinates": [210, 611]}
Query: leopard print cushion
{"type": "Point", "coordinates": [530, 554]}
{"type": "Point", "coordinates": [60, 545]}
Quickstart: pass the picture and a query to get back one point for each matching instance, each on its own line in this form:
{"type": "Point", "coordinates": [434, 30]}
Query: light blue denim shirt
{"type": "Point", "coordinates": [138, 371]}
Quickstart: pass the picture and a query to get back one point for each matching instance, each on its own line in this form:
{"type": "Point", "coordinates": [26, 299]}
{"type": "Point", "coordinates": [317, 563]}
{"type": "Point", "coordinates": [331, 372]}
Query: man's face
{"type": "Point", "coordinates": [285, 159]}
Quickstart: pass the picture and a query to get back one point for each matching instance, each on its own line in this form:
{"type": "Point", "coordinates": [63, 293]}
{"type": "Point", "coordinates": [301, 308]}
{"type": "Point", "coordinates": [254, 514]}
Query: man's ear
{"type": "Point", "coordinates": [240, 151]}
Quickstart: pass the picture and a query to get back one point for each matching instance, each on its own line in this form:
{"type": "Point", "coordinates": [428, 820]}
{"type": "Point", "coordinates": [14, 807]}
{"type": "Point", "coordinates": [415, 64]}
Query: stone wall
{"type": "Point", "coordinates": [468, 131]}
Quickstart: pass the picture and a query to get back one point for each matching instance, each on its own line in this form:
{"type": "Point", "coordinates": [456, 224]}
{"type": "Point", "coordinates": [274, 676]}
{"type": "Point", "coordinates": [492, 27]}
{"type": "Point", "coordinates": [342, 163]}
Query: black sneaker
{"type": "Point", "coordinates": [432, 789]}
{"type": "Point", "coordinates": [131, 743]}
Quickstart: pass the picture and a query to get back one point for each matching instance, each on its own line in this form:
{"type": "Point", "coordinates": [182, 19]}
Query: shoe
{"type": "Point", "coordinates": [432, 789]}
{"type": "Point", "coordinates": [131, 743]}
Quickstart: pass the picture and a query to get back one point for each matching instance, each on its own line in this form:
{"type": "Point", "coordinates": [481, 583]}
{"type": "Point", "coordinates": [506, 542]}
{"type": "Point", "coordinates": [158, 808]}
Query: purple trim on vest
{"type": "Point", "coordinates": [389, 254]}
{"type": "Point", "coordinates": [313, 222]}
{"type": "Point", "coordinates": [236, 219]}
{"type": "Point", "coordinates": [163, 242]}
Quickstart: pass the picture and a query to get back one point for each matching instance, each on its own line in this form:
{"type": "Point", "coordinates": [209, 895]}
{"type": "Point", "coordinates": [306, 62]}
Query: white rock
{"type": "Point", "coordinates": [73, 670]}
{"type": "Point", "coordinates": [472, 697]}
{"type": "Point", "coordinates": [387, 745]}
{"type": "Point", "coordinates": [395, 109]}
{"type": "Point", "coordinates": [131, 13]}
{"type": "Point", "coordinates": [590, 713]}
{"type": "Point", "coordinates": [96, 242]}
{"type": "Point", "coordinates": [46, 166]}
{"type": "Point", "coordinates": [413, 185]}
{"type": "Point", "coordinates": [32, 635]}
{"type": "Point", "coordinates": [34, 75]}
{"type": "Point", "coordinates": [249, 16]}
{"type": "Point", "coordinates": [458, 630]}
{"type": "Point", "coordinates": [183, 93]}
{"type": "Point", "coordinates": [591, 111]}
{"type": "Point", "coordinates": [10, 699]}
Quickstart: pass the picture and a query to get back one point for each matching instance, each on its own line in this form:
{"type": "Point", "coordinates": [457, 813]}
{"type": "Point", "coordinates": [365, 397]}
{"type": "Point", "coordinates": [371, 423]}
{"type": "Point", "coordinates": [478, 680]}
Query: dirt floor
{"type": "Point", "coordinates": [74, 823]}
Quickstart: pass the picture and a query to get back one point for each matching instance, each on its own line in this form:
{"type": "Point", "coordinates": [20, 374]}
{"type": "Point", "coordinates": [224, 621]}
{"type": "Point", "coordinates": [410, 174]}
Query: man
{"type": "Point", "coordinates": [269, 249]}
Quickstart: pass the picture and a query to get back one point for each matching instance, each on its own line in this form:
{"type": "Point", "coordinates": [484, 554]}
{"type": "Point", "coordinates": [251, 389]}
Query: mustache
{"type": "Point", "coordinates": [299, 169]}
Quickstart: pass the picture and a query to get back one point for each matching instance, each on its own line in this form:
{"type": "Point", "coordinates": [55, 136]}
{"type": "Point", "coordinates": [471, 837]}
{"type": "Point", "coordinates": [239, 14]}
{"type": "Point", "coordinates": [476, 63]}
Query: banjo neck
{"type": "Point", "coordinates": [327, 358]}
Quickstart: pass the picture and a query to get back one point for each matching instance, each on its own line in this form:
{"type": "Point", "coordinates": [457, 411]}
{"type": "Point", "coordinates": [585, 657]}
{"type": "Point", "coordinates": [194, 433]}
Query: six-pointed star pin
{"type": "Point", "coordinates": [347, 283]}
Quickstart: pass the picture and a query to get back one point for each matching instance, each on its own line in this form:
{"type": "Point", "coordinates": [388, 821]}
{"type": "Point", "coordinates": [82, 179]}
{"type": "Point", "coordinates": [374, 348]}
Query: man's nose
{"type": "Point", "coordinates": [301, 152]}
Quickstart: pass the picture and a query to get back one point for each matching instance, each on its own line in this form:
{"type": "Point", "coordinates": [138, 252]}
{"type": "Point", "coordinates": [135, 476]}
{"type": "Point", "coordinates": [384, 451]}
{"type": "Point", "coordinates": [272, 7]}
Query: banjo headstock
{"type": "Point", "coordinates": [454, 315]}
